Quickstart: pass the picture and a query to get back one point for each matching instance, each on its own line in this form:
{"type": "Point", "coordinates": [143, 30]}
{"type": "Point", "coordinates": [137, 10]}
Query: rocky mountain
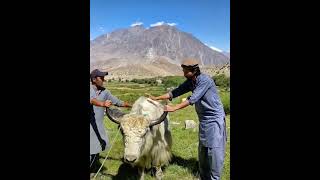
{"type": "Point", "coordinates": [226, 54]}
{"type": "Point", "coordinates": [155, 51]}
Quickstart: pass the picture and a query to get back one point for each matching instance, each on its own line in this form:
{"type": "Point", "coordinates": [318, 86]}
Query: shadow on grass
{"type": "Point", "coordinates": [190, 164]}
{"type": "Point", "coordinates": [127, 172]}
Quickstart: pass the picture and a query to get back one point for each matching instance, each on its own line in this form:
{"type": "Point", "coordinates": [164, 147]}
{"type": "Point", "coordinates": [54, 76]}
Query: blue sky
{"type": "Point", "coordinates": [207, 20]}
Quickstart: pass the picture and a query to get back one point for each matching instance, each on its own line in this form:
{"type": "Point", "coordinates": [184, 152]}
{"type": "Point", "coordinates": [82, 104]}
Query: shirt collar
{"type": "Point", "coordinates": [97, 88]}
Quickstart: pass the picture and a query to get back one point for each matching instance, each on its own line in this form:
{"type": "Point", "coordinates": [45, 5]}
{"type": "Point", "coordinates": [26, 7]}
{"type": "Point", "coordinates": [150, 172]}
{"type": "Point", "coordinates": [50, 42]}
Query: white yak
{"type": "Point", "coordinates": [147, 139]}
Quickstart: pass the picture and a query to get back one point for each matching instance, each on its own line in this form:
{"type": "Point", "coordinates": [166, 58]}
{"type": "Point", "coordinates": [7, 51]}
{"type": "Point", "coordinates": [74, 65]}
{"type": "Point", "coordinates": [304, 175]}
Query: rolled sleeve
{"type": "Point", "coordinates": [200, 89]}
{"type": "Point", "coordinates": [170, 95]}
{"type": "Point", "coordinates": [180, 90]}
{"type": "Point", "coordinates": [113, 99]}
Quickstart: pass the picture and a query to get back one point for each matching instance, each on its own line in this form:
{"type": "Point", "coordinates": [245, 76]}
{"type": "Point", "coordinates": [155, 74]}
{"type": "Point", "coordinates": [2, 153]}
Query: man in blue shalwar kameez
{"type": "Point", "coordinates": [212, 126]}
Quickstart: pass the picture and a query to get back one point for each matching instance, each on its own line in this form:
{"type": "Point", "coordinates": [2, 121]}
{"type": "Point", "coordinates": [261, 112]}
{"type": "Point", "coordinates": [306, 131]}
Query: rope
{"type": "Point", "coordinates": [107, 154]}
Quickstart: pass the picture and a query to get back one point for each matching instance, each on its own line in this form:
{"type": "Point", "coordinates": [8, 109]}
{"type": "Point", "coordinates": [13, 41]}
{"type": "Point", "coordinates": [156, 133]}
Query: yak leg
{"type": "Point", "coordinates": [159, 173]}
{"type": "Point", "coordinates": [141, 173]}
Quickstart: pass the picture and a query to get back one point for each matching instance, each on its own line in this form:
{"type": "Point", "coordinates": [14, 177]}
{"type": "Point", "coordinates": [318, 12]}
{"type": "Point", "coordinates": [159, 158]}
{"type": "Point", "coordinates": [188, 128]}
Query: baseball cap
{"type": "Point", "coordinates": [97, 73]}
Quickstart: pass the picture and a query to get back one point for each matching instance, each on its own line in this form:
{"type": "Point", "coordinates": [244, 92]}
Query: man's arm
{"type": "Point", "coordinates": [201, 88]}
{"type": "Point", "coordinates": [100, 103]}
{"type": "Point", "coordinates": [176, 107]}
{"type": "Point", "coordinates": [180, 90]}
{"type": "Point", "coordinates": [162, 97]}
{"type": "Point", "coordinates": [115, 100]}
{"type": "Point", "coordinates": [198, 92]}
{"type": "Point", "coordinates": [96, 102]}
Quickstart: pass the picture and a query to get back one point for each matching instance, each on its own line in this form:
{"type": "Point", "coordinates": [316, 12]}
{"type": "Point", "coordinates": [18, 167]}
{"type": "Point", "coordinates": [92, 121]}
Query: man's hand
{"type": "Point", "coordinates": [151, 97]}
{"type": "Point", "coordinates": [126, 104]}
{"type": "Point", "coordinates": [107, 103]}
{"type": "Point", "coordinates": [169, 108]}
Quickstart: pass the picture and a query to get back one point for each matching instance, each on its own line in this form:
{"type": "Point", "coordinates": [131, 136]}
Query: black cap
{"type": "Point", "coordinates": [97, 73]}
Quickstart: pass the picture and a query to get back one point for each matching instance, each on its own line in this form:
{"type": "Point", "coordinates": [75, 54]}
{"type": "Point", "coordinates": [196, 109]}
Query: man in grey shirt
{"type": "Point", "coordinates": [100, 98]}
{"type": "Point", "coordinates": [212, 126]}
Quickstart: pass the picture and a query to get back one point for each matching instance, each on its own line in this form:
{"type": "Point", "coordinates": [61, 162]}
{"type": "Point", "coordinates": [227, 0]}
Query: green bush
{"type": "Point", "coordinates": [225, 99]}
{"type": "Point", "coordinates": [144, 81]}
{"type": "Point", "coordinates": [134, 80]}
{"type": "Point", "coordinates": [139, 81]}
{"type": "Point", "coordinates": [221, 80]}
{"type": "Point", "coordinates": [173, 81]}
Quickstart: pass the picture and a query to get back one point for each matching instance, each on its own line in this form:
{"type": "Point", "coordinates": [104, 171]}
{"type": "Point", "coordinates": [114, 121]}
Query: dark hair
{"type": "Point", "coordinates": [197, 71]}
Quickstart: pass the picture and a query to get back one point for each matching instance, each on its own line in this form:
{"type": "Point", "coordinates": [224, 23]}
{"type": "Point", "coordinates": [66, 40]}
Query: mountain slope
{"type": "Point", "coordinates": [124, 49]}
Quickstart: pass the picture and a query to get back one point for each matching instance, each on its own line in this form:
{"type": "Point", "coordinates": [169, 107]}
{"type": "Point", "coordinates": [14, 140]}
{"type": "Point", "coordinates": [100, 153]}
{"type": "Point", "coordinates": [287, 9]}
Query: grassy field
{"type": "Point", "coordinates": [183, 165]}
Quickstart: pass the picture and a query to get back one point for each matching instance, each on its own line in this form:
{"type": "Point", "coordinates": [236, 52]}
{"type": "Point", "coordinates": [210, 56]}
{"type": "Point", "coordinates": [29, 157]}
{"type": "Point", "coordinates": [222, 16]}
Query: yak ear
{"type": "Point", "coordinates": [114, 114]}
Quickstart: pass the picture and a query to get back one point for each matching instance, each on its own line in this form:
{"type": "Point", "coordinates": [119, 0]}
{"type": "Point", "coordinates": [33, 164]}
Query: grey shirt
{"type": "Point", "coordinates": [101, 95]}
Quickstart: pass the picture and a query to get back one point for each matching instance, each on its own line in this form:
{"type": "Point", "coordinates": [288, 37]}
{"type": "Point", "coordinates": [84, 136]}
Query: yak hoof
{"type": "Point", "coordinates": [159, 173]}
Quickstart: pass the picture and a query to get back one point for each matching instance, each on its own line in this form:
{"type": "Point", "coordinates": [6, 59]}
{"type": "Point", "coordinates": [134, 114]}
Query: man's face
{"type": "Point", "coordinates": [99, 81]}
{"type": "Point", "coordinates": [187, 73]}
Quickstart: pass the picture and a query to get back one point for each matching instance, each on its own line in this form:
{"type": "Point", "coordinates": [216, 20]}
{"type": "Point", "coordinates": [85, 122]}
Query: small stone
{"type": "Point", "coordinates": [190, 124]}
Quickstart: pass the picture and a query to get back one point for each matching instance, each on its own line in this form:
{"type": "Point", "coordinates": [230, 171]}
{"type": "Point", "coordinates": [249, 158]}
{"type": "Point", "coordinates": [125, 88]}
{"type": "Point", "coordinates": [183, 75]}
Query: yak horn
{"type": "Point", "coordinates": [114, 115]}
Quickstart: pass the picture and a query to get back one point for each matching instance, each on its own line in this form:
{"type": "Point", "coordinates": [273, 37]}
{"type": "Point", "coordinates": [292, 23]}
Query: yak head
{"type": "Point", "coordinates": [136, 126]}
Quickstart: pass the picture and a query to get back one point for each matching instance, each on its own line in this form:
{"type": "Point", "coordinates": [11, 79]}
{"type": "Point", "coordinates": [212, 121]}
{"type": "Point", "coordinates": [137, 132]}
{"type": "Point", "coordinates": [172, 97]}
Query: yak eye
{"type": "Point", "coordinates": [142, 133]}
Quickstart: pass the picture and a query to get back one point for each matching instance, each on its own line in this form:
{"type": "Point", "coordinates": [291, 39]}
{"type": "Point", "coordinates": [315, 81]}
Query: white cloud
{"type": "Point", "coordinates": [157, 24]}
{"type": "Point", "coordinates": [136, 24]}
{"type": "Point", "coordinates": [101, 29]}
{"type": "Point", "coordinates": [172, 24]}
{"type": "Point", "coordinates": [162, 23]}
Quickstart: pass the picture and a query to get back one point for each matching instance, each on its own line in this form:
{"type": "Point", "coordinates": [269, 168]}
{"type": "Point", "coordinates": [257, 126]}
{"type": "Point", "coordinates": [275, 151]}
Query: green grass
{"type": "Point", "coordinates": [185, 142]}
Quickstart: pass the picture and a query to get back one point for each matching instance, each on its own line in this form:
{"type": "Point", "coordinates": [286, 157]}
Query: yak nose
{"type": "Point", "coordinates": [130, 158]}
